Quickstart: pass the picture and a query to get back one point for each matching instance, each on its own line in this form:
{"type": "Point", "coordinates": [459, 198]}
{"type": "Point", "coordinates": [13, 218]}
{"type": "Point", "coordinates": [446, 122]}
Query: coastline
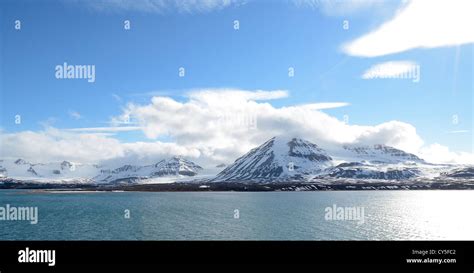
{"type": "Point", "coordinates": [243, 186]}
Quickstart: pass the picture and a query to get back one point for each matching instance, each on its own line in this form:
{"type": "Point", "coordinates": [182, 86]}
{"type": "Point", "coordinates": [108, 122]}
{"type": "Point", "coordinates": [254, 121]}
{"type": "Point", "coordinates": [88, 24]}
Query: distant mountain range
{"type": "Point", "coordinates": [173, 168]}
{"type": "Point", "coordinates": [293, 159]}
{"type": "Point", "coordinates": [280, 159]}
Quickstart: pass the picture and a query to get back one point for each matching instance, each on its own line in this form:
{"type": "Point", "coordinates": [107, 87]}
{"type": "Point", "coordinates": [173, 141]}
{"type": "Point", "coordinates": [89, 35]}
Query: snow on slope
{"type": "Point", "coordinates": [271, 162]}
{"type": "Point", "coordinates": [48, 172]}
{"type": "Point", "coordinates": [167, 169]}
{"type": "Point", "coordinates": [374, 154]}
{"type": "Point", "coordinates": [364, 170]}
{"type": "Point", "coordinates": [379, 162]}
{"type": "Point", "coordinates": [279, 158]}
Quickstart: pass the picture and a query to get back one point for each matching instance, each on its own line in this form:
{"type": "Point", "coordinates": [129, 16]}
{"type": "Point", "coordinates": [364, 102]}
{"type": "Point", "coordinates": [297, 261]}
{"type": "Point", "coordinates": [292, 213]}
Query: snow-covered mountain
{"type": "Point", "coordinates": [65, 171]}
{"type": "Point", "coordinates": [293, 159]}
{"type": "Point", "coordinates": [365, 170]}
{"type": "Point", "coordinates": [375, 162]}
{"type": "Point", "coordinates": [175, 167]}
{"type": "Point", "coordinates": [375, 154]}
{"type": "Point", "coordinates": [465, 172]}
{"type": "Point", "coordinates": [278, 159]}
{"type": "Point", "coordinates": [69, 172]}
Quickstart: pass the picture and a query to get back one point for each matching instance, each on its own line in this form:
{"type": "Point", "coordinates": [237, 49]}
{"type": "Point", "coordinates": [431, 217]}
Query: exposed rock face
{"type": "Point", "coordinates": [279, 158]}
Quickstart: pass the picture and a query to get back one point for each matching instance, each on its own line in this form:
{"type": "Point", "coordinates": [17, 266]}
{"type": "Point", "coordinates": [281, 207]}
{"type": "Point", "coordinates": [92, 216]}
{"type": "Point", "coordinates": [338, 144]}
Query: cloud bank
{"type": "Point", "coordinates": [214, 126]}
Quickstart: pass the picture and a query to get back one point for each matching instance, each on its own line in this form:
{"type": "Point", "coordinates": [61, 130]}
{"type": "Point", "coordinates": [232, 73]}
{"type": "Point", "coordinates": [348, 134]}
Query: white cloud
{"type": "Point", "coordinates": [105, 129]}
{"type": "Point", "coordinates": [227, 94]}
{"type": "Point", "coordinates": [441, 154]}
{"type": "Point", "coordinates": [224, 124]}
{"type": "Point", "coordinates": [150, 152]}
{"type": "Point", "coordinates": [338, 8]}
{"type": "Point", "coordinates": [117, 97]}
{"type": "Point", "coordinates": [398, 134]}
{"type": "Point", "coordinates": [75, 115]}
{"type": "Point", "coordinates": [418, 24]}
{"type": "Point", "coordinates": [160, 6]}
{"type": "Point", "coordinates": [53, 144]}
{"type": "Point", "coordinates": [394, 70]}
{"type": "Point", "coordinates": [213, 126]}
{"type": "Point", "coordinates": [202, 5]}
{"type": "Point", "coordinates": [458, 131]}
{"type": "Point", "coordinates": [325, 105]}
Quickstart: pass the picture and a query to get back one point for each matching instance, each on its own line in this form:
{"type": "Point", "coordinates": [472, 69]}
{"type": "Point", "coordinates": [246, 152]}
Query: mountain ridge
{"type": "Point", "coordinates": [279, 159]}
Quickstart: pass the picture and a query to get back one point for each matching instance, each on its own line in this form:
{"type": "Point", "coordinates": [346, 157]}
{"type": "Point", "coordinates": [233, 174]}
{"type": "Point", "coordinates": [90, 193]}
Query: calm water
{"type": "Point", "coordinates": [389, 215]}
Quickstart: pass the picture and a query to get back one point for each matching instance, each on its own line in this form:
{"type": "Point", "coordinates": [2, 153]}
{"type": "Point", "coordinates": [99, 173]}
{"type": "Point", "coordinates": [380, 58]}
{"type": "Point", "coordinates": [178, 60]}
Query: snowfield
{"type": "Point", "coordinates": [279, 160]}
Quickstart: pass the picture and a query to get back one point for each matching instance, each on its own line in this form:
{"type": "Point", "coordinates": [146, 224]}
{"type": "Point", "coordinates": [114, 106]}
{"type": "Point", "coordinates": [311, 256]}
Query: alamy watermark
{"type": "Point", "coordinates": [394, 70]}
{"type": "Point", "coordinates": [336, 213]}
{"type": "Point", "coordinates": [12, 213]}
{"type": "Point", "coordinates": [243, 120]}
{"type": "Point", "coordinates": [236, 214]}
{"type": "Point", "coordinates": [28, 255]}
{"type": "Point", "coordinates": [68, 71]}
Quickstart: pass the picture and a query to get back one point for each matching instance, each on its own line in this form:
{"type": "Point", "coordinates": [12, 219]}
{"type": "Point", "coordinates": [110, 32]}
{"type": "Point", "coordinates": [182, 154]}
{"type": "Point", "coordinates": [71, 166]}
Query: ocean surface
{"type": "Point", "coordinates": [388, 215]}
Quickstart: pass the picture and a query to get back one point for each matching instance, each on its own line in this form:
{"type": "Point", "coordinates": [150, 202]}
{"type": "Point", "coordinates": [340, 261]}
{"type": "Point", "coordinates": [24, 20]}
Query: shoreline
{"type": "Point", "coordinates": [244, 187]}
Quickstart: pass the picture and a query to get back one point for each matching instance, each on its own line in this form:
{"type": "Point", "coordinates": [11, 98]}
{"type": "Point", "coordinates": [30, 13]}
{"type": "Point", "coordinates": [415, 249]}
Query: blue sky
{"type": "Point", "coordinates": [131, 65]}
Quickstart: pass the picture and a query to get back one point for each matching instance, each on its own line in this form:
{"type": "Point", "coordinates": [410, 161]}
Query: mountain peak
{"type": "Point", "coordinates": [177, 165]}
{"type": "Point", "coordinates": [66, 165]}
{"type": "Point", "coordinates": [20, 161]}
{"type": "Point", "coordinates": [279, 158]}
{"type": "Point", "coordinates": [380, 153]}
{"type": "Point", "coordinates": [174, 166]}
